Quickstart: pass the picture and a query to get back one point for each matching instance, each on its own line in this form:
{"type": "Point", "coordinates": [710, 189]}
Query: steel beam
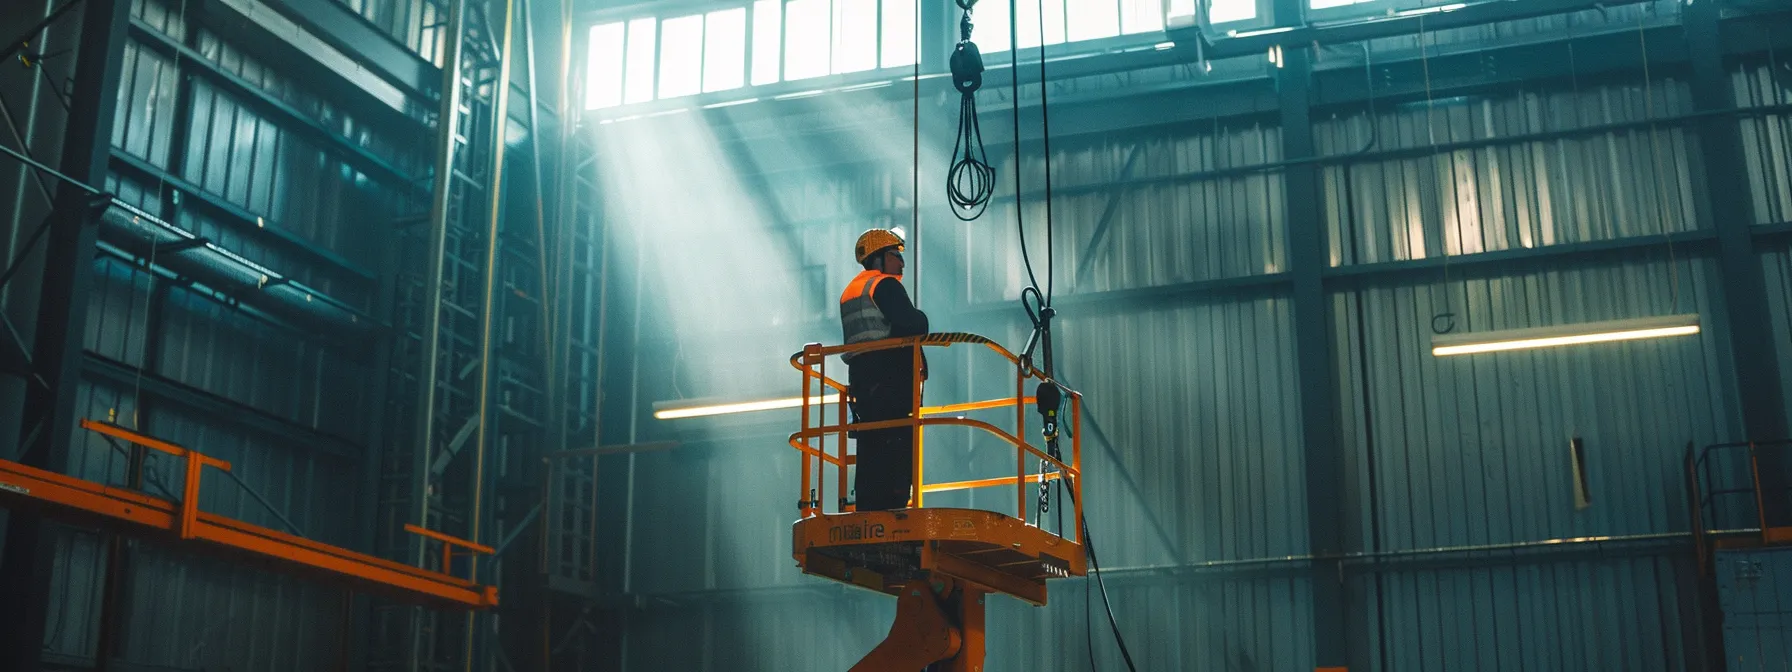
{"type": "Point", "coordinates": [1295, 31]}
{"type": "Point", "coordinates": [371, 47]}
{"type": "Point", "coordinates": [215, 406]}
{"type": "Point", "coordinates": [1750, 322]}
{"type": "Point", "coordinates": [247, 223]}
{"type": "Point", "coordinates": [30, 547]}
{"type": "Point", "coordinates": [263, 32]}
{"type": "Point", "coordinates": [1150, 109]}
{"type": "Point", "coordinates": [1324, 453]}
{"type": "Point", "coordinates": [287, 116]}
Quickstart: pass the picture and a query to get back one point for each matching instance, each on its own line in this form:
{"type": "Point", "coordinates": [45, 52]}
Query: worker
{"type": "Point", "coordinates": [882, 382]}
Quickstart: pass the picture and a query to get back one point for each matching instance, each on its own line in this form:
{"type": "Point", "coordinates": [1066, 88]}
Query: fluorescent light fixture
{"type": "Point", "coordinates": [869, 85]}
{"type": "Point", "coordinates": [1568, 334]}
{"type": "Point", "coordinates": [673, 410]}
{"type": "Point", "coordinates": [1259, 33]}
{"type": "Point", "coordinates": [730, 103]}
{"type": "Point", "coordinates": [1166, 46]}
{"type": "Point", "coordinates": [800, 94]}
{"type": "Point", "coordinates": [1431, 10]}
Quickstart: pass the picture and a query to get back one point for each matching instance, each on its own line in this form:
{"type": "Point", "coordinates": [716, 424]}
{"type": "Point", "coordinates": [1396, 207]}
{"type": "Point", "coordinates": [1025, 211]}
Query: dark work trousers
{"type": "Point", "coordinates": [886, 456]}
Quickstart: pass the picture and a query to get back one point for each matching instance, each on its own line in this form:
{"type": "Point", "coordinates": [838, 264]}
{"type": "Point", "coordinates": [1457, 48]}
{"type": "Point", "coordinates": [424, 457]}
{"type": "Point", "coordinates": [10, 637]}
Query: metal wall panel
{"type": "Point", "coordinates": [1766, 138]}
{"type": "Point", "coordinates": [1446, 451]}
{"type": "Point", "coordinates": [216, 348]}
{"type": "Point", "coordinates": [414, 23]}
{"type": "Point", "coordinates": [1167, 230]}
{"type": "Point", "coordinates": [1580, 188]}
{"type": "Point", "coordinates": [1192, 435]}
{"type": "Point", "coordinates": [202, 613]}
{"type": "Point", "coordinates": [1596, 614]}
{"type": "Point", "coordinates": [1170, 624]}
{"type": "Point", "coordinates": [181, 611]}
{"type": "Point", "coordinates": [1457, 40]}
{"type": "Point", "coordinates": [1776, 269]}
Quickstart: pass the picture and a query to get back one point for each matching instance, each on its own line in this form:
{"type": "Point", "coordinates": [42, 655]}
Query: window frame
{"type": "Point", "coordinates": [879, 75]}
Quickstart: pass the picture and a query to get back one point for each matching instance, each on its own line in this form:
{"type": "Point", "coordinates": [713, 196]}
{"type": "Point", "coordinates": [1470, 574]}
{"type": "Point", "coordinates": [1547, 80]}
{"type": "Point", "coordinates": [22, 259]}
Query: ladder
{"type": "Point", "coordinates": [435, 380]}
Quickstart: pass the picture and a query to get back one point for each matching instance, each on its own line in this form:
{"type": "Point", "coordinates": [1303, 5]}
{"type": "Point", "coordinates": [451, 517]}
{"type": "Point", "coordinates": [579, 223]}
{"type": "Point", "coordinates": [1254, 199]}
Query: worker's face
{"type": "Point", "coordinates": [893, 262]}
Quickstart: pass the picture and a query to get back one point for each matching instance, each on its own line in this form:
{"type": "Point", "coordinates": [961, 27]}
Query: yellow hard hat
{"type": "Point", "coordinates": [870, 242]}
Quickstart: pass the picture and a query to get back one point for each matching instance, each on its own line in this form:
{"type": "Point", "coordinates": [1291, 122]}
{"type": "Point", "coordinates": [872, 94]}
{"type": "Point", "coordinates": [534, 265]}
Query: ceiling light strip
{"type": "Point", "coordinates": [677, 410]}
{"type": "Point", "coordinates": [1571, 334]}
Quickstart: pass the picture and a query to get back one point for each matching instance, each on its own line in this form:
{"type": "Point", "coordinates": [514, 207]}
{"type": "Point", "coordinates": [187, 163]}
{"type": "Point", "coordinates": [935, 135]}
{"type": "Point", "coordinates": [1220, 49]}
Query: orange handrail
{"type": "Point", "coordinates": [811, 361]}
{"type": "Point", "coordinates": [133, 512]}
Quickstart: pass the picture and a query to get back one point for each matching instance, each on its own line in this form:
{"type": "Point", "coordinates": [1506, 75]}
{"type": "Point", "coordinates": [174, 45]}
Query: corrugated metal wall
{"type": "Point", "coordinates": [1776, 267]}
{"type": "Point", "coordinates": [1475, 450]}
{"type": "Point", "coordinates": [1580, 188]}
{"type": "Point", "coordinates": [1597, 614]}
{"type": "Point", "coordinates": [310, 216]}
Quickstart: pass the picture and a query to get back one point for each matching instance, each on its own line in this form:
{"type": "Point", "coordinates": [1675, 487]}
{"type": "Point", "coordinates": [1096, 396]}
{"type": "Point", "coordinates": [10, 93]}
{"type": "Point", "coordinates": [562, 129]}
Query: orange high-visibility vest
{"type": "Point", "coordinates": [860, 318]}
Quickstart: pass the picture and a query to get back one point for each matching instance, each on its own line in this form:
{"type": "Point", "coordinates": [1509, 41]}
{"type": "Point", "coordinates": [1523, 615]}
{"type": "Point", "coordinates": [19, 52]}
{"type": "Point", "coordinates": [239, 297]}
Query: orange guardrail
{"type": "Point", "coordinates": [812, 440]}
{"type": "Point", "coordinates": [80, 501]}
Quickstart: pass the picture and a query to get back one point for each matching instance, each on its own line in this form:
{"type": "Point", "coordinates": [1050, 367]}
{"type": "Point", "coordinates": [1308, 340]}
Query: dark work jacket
{"type": "Point", "coordinates": [895, 365]}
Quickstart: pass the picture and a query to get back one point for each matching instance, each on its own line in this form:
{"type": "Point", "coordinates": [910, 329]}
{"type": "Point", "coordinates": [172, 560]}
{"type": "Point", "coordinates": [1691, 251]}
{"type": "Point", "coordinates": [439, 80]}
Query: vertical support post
{"type": "Point", "coordinates": [1750, 328]}
{"type": "Point", "coordinates": [189, 497]}
{"type": "Point", "coordinates": [493, 241]}
{"type": "Point", "coordinates": [544, 251]}
{"type": "Point", "coordinates": [25, 570]}
{"type": "Point", "coordinates": [113, 590]}
{"type": "Point", "coordinates": [441, 201]}
{"type": "Point", "coordinates": [1318, 396]}
{"type": "Point", "coordinates": [804, 507]}
{"type": "Point", "coordinates": [840, 448]}
{"type": "Point", "coordinates": [1076, 463]}
{"type": "Point", "coordinates": [488, 352]}
{"type": "Point", "coordinates": [1020, 455]}
{"type": "Point", "coordinates": [914, 416]}
{"type": "Point", "coordinates": [821, 441]}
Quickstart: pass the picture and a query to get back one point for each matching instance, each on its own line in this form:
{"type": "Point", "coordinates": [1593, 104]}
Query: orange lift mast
{"type": "Point", "coordinates": [182, 522]}
{"type": "Point", "coordinates": [940, 563]}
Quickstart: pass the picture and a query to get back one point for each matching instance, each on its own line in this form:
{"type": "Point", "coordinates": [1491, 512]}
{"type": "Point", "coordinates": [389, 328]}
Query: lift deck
{"type": "Point", "coordinates": [127, 511]}
{"type": "Point", "coordinates": [940, 563]}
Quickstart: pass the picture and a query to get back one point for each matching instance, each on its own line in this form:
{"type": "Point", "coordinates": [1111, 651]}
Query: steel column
{"type": "Point", "coordinates": [1318, 396]}
{"type": "Point", "coordinates": [1750, 326]}
{"type": "Point", "coordinates": [447, 125]}
{"type": "Point", "coordinates": [488, 353]}
{"type": "Point", "coordinates": [61, 323]}
{"type": "Point", "coordinates": [442, 189]}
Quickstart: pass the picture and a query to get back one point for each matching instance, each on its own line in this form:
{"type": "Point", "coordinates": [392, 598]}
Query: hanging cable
{"type": "Point", "coordinates": [1655, 151]}
{"type": "Point", "coordinates": [149, 264]}
{"type": "Point", "coordinates": [971, 181]}
{"type": "Point", "coordinates": [1107, 605]}
{"type": "Point", "coordinates": [1443, 321]}
{"type": "Point", "coordinates": [914, 194]}
{"type": "Point", "coordinates": [1045, 138]}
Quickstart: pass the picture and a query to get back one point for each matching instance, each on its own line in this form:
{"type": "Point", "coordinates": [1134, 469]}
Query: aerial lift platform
{"type": "Point", "coordinates": [941, 564]}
